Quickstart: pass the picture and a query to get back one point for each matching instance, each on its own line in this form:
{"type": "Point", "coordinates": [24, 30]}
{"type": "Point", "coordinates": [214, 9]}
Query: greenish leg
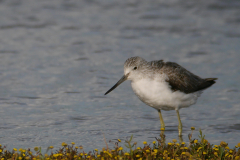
{"type": "Point", "coordinates": [180, 139]}
{"type": "Point", "coordinates": [161, 119]}
{"type": "Point", "coordinates": [179, 124]}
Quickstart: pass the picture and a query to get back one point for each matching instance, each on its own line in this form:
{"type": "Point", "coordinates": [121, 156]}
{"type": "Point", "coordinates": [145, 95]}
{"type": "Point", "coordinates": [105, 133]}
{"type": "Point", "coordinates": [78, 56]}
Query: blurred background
{"type": "Point", "coordinates": [59, 57]}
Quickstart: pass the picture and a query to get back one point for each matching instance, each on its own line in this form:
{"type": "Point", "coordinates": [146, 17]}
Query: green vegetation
{"type": "Point", "coordinates": [196, 149]}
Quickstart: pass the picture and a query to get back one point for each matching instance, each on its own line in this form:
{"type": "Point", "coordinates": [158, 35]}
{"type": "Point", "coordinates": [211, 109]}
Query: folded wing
{"type": "Point", "coordinates": [182, 80]}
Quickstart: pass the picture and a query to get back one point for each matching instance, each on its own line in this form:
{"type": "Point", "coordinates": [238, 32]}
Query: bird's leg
{"type": "Point", "coordinates": [161, 119]}
{"type": "Point", "coordinates": [180, 139]}
{"type": "Point", "coordinates": [179, 124]}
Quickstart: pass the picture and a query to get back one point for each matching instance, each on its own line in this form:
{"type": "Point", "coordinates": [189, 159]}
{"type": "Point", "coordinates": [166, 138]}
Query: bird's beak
{"type": "Point", "coordinates": [124, 78]}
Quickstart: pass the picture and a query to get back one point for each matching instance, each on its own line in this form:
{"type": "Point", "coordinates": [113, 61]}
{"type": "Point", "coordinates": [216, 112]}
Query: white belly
{"type": "Point", "coordinates": [158, 95]}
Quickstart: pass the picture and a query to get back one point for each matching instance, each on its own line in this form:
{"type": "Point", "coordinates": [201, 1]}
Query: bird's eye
{"type": "Point", "coordinates": [134, 68]}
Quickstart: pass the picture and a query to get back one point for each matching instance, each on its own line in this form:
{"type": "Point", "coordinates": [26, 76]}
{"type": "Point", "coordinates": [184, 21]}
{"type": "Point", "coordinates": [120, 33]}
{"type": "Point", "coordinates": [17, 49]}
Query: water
{"type": "Point", "coordinates": [58, 58]}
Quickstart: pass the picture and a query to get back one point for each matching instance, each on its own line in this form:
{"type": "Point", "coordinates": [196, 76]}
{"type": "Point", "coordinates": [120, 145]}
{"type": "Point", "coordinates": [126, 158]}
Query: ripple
{"type": "Point", "coordinates": [71, 28]}
{"type": "Point", "coordinates": [235, 127]}
{"type": "Point", "coordinates": [27, 26]}
{"type": "Point", "coordinates": [28, 97]}
{"type": "Point", "coordinates": [196, 53]}
{"type": "Point", "coordinates": [8, 51]}
{"type": "Point", "coordinates": [82, 59]}
{"type": "Point", "coordinates": [72, 92]}
{"type": "Point", "coordinates": [79, 118]}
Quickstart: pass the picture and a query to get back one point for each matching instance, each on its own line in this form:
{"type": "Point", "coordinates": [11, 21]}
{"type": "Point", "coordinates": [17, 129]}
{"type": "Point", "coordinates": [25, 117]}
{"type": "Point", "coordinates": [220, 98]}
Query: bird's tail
{"type": "Point", "coordinates": [211, 80]}
{"type": "Point", "coordinates": [207, 83]}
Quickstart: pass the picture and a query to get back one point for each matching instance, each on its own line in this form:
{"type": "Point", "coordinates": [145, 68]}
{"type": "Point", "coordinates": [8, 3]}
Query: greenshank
{"type": "Point", "coordinates": [163, 85]}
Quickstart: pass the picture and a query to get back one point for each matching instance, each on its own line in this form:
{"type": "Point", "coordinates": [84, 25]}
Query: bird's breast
{"type": "Point", "coordinates": [150, 91]}
{"type": "Point", "coordinates": [158, 95]}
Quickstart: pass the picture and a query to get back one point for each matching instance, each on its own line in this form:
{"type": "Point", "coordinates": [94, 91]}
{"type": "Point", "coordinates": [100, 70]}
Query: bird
{"type": "Point", "coordinates": [163, 85]}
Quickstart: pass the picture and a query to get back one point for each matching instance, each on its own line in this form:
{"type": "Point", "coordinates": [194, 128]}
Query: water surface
{"type": "Point", "coordinates": [58, 58]}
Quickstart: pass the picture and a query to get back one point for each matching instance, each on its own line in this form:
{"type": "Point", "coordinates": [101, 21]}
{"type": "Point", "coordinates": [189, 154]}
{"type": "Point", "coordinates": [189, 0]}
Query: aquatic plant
{"type": "Point", "coordinates": [158, 149]}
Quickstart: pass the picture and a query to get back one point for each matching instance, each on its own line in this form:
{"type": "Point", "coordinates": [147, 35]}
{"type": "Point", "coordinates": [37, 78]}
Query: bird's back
{"type": "Point", "coordinates": [181, 79]}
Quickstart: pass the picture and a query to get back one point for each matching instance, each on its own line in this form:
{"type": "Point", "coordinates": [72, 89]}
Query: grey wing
{"type": "Point", "coordinates": [182, 80]}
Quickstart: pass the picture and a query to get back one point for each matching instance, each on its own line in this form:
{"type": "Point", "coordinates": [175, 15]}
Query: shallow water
{"type": "Point", "coordinates": [58, 58]}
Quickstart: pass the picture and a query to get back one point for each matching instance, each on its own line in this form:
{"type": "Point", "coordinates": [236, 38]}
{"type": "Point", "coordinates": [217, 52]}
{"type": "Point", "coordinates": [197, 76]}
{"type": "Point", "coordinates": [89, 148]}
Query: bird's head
{"type": "Point", "coordinates": [132, 71]}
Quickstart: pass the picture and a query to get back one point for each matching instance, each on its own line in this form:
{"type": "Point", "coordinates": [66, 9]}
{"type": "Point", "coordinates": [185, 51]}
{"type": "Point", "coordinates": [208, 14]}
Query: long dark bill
{"type": "Point", "coordinates": [124, 78]}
